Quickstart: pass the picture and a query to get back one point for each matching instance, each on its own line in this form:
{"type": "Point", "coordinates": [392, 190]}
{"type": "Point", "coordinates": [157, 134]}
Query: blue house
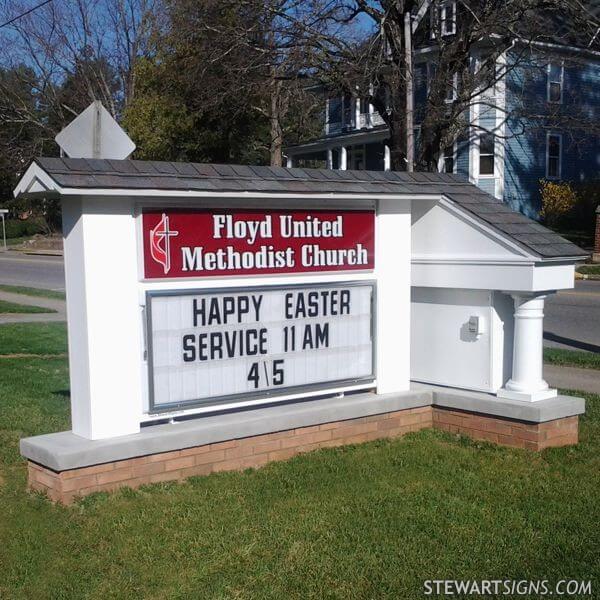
{"type": "Point", "coordinates": [539, 121]}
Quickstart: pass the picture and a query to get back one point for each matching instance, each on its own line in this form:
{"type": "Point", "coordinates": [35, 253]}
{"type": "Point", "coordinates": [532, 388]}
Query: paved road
{"type": "Point", "coordinates": [572, 318]}
{"type": "Point", "coordinates": [33, 271]}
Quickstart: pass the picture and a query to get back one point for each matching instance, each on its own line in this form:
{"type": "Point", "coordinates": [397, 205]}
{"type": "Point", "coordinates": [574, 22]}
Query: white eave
{"type": "Point", "coordinates": [36, 183]}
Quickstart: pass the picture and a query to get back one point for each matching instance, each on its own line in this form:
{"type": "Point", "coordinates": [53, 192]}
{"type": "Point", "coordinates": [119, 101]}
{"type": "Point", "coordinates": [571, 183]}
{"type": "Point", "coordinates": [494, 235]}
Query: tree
{"type": "Point", "coordinates": [220, 87]}
{"type": "Point", "coordinates": [358, 47]}
{"type": "Point", "coordinates": [55, 61]}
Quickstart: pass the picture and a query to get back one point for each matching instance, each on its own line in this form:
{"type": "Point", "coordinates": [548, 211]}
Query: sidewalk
{"type": "Point", "coordinates": [573, 378]}
{"type": "Point", "coordinates": [58, 305]}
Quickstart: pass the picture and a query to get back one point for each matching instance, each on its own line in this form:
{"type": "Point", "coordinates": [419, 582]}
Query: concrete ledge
{"type": "Point", "coordinates": [64, 450]}
{"type": "Point", "coordinates": [541, 411]}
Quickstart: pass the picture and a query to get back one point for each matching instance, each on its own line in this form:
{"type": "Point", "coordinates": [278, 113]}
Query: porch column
{"type": "Point", "coordinates": [343, 158]}
{"type": "Point", "coordinates": [387, 158]}
{"type": "Point", "coordinates": [527, 382]}
{"type": "Point", "coordinates": [289, 161]}
{"type": "Point", "coordinates": [329, 158]}
{"type": "Point", "coordinates": [357, 112]}
{"type": "Point", "coordinates": [371, 109]}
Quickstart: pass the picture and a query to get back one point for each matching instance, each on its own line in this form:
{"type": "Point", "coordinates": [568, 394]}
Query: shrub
{"type": "Point", "coordinates": [583, 215]}
{"type": "Point", "coordinates": [16, 228]}
{"type": "Point", "coordinates": [558, 200]}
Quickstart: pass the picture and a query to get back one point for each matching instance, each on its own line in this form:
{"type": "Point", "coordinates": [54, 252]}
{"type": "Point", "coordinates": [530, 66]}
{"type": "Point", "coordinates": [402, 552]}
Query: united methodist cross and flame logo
{"type": "Point", "coordinates": [160, 243]}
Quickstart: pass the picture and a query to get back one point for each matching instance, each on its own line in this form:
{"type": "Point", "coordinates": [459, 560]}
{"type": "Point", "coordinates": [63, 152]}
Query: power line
{"type": "Point", "coordinates": [25, 13]}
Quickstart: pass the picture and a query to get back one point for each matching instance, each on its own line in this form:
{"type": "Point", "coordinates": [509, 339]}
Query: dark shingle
{"type": "Point", "coordinates": [186, 169]}
{"type": "Point", "coordinates": [136, 174]}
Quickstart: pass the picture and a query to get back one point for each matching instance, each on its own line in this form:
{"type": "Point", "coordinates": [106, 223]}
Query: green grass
{"type": "Point", "coordinates": [33, 338]}
{"type": "Point", "coordinates": [367, 521]}
{"type": "Point", "coordinates": [589, 269]}
{"type": "Point", "coordinates": [28, 291]}
{"type": "Point", "coordinates": [17, 241]}
{"type": "Point", "coordinates": [572, 358]}
{"type": "Point", "coordinates": [11, 307]}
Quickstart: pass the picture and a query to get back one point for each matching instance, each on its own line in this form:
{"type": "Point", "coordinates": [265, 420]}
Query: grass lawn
{"type": "Point", "coordinates": [367, 521]}
{"type": "Point", "coordinates": [572, 358]}
{"type": "Point", "coordinates": [11, 307]}
{"type": "Point", "coordinates": [28, 291]}
{"type": "Point", "coordinates": [33, 338]}
{"type": "Point", "coordinates": [17, 241]}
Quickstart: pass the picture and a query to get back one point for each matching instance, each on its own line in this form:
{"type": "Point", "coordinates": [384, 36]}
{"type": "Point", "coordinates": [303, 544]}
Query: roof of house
{"type": "Point", "coordinates": [140, 175]}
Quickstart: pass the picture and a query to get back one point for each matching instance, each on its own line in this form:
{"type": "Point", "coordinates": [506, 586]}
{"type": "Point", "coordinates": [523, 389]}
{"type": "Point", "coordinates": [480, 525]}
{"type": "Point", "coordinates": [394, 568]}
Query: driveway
{"type": "Point", "coordinates": [572, 318]}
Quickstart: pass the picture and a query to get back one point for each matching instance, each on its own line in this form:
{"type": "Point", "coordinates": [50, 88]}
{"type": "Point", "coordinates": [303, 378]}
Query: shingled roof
{"type": "Point", "coordinates": [146, 175]}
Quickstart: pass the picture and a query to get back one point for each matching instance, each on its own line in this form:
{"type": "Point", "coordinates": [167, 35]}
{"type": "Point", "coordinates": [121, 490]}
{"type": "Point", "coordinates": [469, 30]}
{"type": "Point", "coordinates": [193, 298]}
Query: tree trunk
{"type": "Point", "coordinates": [276, 148]}
{"type": "Point", "coordinates": [397, 126]}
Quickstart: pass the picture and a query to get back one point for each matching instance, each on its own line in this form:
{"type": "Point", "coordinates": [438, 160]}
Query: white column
{"type": "Point", "coordinates": [289, 161]}
{"type": "Point", "coordinates": [371, 109]}
{"type": "Point", "coordinates": [357, 112]}
{"type": "Point", "coordinates": [392, 269]}
{"type": "Point", "coordinates": [104, 317]}
{"type": "Point", "coordinates": [327, 116]}
{"type": "Point", "coordinates": [387, 158]}
{"type": "Point", "coordinates": [527, 382]}
{"type": "Point", "coordinates": [343, 158]}
{"type": "Point", "coordinates": [329, 158]}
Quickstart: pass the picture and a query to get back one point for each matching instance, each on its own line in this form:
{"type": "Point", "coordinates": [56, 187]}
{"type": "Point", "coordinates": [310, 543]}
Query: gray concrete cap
{"type": "Point", "coordinates": [541, 411]}
{"type": "Point", "coordinates": [64, 450]}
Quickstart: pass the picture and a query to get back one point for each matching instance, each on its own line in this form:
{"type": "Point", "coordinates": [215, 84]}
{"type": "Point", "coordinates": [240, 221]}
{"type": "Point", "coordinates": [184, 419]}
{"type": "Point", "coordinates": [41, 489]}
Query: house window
{"type": "Point", "coordinates": [487, 72]}
{"type": "Point", "coordinates": [486, 154]}
{"type": "Point", "coordinates": [553, 156]}
{"type": "Point", "coordinates": [431, 69]}
{"type": "Point", "coordinates": [448, 18]}
{"type": "Point", "coordinates": [556, 73]}
{"type": "Point", "coordinates": [347, 110]}
{"type": "Point", "coordinates": [452, 90]}
{"type": "Point", "coordinates": [448, 160]}
{"type": "Point", "coordinates": [443, 18]}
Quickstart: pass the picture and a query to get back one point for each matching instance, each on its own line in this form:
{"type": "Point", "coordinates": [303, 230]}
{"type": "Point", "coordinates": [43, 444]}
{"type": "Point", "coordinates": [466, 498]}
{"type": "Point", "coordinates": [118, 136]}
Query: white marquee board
{"type": "Point", "coordinates": [210, 347]}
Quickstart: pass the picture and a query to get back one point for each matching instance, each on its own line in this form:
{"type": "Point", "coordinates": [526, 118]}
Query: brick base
{"type": "Point", "coordinates": [253, 452]}
{"type": "Point", "coordinates": [516, 434]}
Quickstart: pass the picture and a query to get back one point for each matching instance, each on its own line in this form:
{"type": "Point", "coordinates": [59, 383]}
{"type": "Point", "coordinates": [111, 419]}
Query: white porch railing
{"type": "Point", "coordinates": [365, 121]}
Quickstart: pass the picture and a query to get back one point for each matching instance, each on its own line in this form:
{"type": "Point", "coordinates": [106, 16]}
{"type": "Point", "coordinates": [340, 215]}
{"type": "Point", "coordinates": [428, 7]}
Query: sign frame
{"type": "Point", "coordinates": [267, 395]}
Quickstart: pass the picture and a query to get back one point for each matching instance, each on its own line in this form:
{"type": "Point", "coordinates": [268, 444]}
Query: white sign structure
{"type": "Point", "coordinates": [210, 347]}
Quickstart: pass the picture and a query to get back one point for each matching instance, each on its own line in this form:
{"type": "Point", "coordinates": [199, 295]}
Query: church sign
{"type": "Point", "coordinates": [201, 243]}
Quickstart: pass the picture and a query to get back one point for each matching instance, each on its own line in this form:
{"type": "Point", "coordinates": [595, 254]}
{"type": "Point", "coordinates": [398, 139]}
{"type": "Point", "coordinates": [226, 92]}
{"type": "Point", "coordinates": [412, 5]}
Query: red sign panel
{"type": "Point", "coordinates": [205, 243]}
